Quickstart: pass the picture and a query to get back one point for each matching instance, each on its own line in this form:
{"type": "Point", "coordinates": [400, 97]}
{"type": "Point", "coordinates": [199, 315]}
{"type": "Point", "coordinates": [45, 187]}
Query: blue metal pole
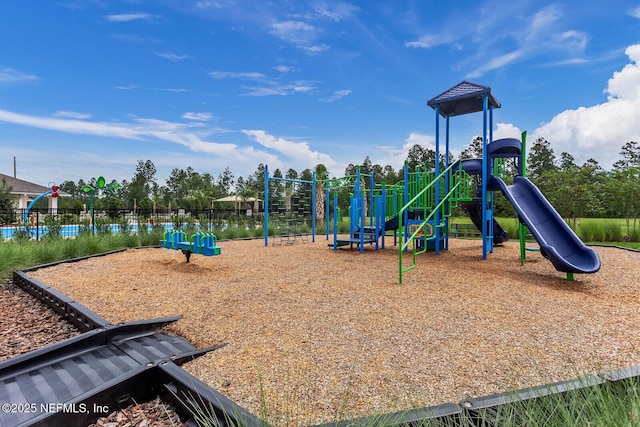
{"type": "Point", "coordinates": [327, 204]}
{"type": "Point", "coordinates": [395, 210]}
{"type": "Point", "coordinates": [313, 207]}
{"type": "Point", "coordinates": [383, 213]}
{"type": "Point", "coordinates": [371, 199]}
{"type": "Point", "coordinates": [436, 218]}
{"type": "Point", "coordinates": [336, 214]}
{"type": "Point", "coordinates": [490, 196]}
{"type": "Point", "coordinates": [447, 187]}
{"type": "Point", "coordinates": [359, 197]}
{"type": "Point", "coordinates": [405, 215]}
{"type": "Point", "coordinates": [266, 205]}
{"type": "Point", "coordinates": [485, 176]}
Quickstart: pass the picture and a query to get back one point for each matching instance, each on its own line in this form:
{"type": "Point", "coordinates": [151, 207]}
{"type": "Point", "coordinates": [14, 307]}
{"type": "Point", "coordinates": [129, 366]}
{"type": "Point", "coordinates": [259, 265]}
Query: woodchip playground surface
{"type": "Point", "coordinates": [316, 335]}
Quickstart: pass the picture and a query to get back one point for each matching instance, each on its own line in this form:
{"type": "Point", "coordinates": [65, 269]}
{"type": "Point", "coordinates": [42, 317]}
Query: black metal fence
{"type": "Point", "coordinates": [74, 222]}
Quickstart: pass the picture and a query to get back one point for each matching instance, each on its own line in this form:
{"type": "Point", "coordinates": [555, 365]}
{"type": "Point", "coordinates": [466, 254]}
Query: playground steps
{"type": "Point", "coordinates": [368, 236]}
{"type": "Point", "coordinates": [49, 385]}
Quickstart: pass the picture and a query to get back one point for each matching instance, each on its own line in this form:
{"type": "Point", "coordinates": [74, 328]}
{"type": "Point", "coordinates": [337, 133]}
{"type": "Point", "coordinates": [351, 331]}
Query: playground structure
{"type": "Point", "coordinates": [101, 184]}
{"type": "Point", "coordinates": [199, 243]}
{"type": "Point", "coordinates": [417, 209]}
{"type": "Point", "coordinates": [292, 203]}
{"type": "Point", "coordinates": [53, 192]}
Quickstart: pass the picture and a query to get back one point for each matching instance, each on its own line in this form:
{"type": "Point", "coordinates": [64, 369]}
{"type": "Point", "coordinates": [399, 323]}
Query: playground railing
{"type": "Point", "coordinates": [458, 182]}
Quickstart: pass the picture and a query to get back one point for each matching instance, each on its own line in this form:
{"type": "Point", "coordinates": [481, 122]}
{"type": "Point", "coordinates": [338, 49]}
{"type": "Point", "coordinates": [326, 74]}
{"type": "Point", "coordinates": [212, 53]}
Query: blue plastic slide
{"type": "Point", "coordinates": [558, 243]}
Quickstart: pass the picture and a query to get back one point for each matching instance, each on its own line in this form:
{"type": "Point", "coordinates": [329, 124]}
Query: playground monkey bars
{"type": "Point", "coordinates": [267, 178]}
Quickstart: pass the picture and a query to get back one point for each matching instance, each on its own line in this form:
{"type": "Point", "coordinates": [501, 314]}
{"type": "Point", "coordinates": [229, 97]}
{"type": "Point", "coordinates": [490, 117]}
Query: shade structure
{"type": "Point", "coordinates": [238, 201]}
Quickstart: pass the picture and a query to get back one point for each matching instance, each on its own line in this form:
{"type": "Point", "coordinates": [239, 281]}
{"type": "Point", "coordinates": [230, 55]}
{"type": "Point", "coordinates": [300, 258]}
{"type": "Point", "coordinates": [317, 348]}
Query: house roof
{"type": "Point", "coordinates": [19, 186]}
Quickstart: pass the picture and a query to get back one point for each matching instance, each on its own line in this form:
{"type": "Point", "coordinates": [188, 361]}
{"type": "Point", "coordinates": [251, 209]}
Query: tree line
{"type": "Point", "coordinates": [576, 191]}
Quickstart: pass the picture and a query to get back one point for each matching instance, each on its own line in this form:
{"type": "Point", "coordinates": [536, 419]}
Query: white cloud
{"type": "Point", "coordinates": [483, 32]}
{"type": "Point", "coordinates": [126, 17]}
{"type": "Point", "coordinates": [201, 117]}
{"type": "Point", "coordinates": [236, 75]}
{"type": "Point", "coordinates": [190, 135]}
{"type": "Point", "coordinates": [573, 41]}
{"type": "Point", "coordinates": [273, 86]}
{"type": "Point", "coordinates": [300, 154]}
{"type": "Point", "coordinates": [9, 75]}
{"type": "Point", "coordinates": [171, 56]}
{"type": "Point", "coordinates": [395, 156]}
{"type": "Point", "coordinates": [285, 69]}
{"type": "Point", "coordinates": [635, 12]}
{"type": "Point", "coordinates": [543, 19]}
{"type": "Point", "coordinates": [428, 41]}
{"type": "Point", "coordinates": [600, 131]}
{"type": "Point", "coordinates": [300, 34]}
{"type": "Point", "coordinates": [72, 115]}
{"type": "Point", "coordinates": [295, 32]}
{"type": "Point", "coordinates": [336, 95]}
{"type": "Point", "coordinates": [496, 62]}
{"type": "Point", "coordinates": [300, 86]}
{"type": "Point", "coordinates": [506, 130]}
{"type": "Point", "coordinates": [335, 12]}
{"type": "Point", "coordinates": [315, 48]}
{"type": "Point", "coordinates": [427, 141]}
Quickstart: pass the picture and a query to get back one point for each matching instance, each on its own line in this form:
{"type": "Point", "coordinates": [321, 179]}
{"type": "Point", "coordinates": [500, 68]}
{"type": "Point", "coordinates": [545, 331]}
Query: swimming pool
{"type": "Point", "coordinates": [71, 230]}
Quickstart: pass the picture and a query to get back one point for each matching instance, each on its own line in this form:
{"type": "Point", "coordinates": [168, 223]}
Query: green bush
{"type": "Point", "coordinates": [142, 225]}
{"type": "Point", "coordinates": [85, 228]}
{"type": "Point", "coordinates": [203, 221]}
{"type": "Point", "coordinates": [613, 232]}
{"type": "Point", "coordinates": [21, 235]}
{"type": "Point", "coordinates": [157, 228]}
{"type": "Point", "coordinates": [124, 226]}
{"type": "Point", "coordinates": [54, 227]}
{"type": "Point", "coordinates": [510, 225]}
{"type": "Point", "coordinates": [69, 218]}
{"type": "Point", "coordinates": [258, 232]}
{"type": "Point", "coordinates": [178, 222]}
{"type": "Point", "coordinates": [591, 231]}
{"type": "Point", "coordinates": [231, 233]}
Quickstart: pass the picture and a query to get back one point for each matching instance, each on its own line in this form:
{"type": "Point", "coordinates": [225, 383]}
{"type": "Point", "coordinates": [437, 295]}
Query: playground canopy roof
{"type": "Point", "coordinates": [463, 98]}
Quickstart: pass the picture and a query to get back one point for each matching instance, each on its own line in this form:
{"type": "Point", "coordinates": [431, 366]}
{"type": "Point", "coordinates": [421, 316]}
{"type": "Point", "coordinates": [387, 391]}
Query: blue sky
{"type": "Point", "coordinates": [88, 88]}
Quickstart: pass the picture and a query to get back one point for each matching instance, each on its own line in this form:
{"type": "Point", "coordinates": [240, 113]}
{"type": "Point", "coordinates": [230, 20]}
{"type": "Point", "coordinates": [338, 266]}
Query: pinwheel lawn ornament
{"type": "Point", "coordinates": [100, 185]}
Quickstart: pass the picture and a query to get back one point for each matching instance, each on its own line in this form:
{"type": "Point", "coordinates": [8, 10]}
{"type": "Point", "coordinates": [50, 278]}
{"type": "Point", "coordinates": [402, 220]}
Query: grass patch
{"type": "Point", "coordinates": [612, 231]}
{"type": "Point", "coordinates": [591, 230]}
{"type": "Point", "coordinates": [588, 229]}
{"type": "Point", "coordinates": [19, 254]}
{"type": "Point", "coordinates": [607, 404]}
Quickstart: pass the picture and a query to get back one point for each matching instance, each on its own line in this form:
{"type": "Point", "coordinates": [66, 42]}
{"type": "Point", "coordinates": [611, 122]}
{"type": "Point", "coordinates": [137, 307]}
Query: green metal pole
{"type": "Point", "coordinates": [522, 232]}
